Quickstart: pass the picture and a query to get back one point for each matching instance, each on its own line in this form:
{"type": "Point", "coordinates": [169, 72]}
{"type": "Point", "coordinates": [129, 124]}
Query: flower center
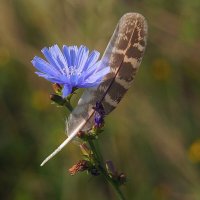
{"type": "Point", "coordinates": [71, 71]}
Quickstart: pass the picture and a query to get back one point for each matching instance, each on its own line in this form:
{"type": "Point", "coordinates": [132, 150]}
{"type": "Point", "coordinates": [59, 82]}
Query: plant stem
{"type": "Point", "coordinates": [68, 105]}
{"type": "Point", "coordinates": [68, 100]}
{"type": "Point", "coordinates": [98, 159]}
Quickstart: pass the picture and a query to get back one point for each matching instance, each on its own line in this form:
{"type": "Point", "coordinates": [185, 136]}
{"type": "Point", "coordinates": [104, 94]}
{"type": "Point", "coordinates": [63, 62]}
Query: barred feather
{"type": "Point", "coordinates": [123, 54]}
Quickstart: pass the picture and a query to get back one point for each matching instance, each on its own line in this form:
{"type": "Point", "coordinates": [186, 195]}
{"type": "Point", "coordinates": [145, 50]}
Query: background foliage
{"type": "Point", "coordinates": [153, 135]}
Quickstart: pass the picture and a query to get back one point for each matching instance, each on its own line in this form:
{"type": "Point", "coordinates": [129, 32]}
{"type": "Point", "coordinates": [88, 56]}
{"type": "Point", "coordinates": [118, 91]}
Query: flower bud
{"type": "Point", "coordinates": [99, 115]}
{"type": "Point", "coordinates": [122, 179]}
{"type": "Point", "coordinates": [94, 171]}
{"type": "Point", "coordinates": [81, 134]}
{"type": "Point", "coordinates": [57, 88]}
{"type": "Point", "coordinates": [57, 99]}
{"type": "Point", "coordinates": [110, 168]}
{"type": "Point", "coordinates": [82, 165]}
{"type": "Point", "coordinates": [85, 150]}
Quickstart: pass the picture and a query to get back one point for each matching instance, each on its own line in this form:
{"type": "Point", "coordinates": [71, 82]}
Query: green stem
{"type": "Point", "coordinates": [68, 100]}
{"type": "Point", "coordinates": [68, 105]}
{"type": "Point", "coordinates": [98, 158]}
{"type": "Point", "coordinates": [96, 145]}
{"type": "Point", "coordinates": [113, 184]}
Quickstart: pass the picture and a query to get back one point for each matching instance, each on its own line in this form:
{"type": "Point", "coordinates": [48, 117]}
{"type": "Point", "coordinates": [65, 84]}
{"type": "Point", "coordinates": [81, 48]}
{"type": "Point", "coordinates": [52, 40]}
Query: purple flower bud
{"type": "Point", "coordinates": [99, 115]}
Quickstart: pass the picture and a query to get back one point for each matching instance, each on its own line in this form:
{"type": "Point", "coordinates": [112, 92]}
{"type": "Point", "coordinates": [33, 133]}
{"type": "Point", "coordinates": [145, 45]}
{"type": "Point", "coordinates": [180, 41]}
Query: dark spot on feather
{"type": "Point", "coordinates": [135, 36]}
{"type": "Point", "coordinates": [107, 107]}
{"type": "Point", "coordinates": [108, 76]}
{"type": "Point", "coordinates": [134, 52]}
{"type": "Point", "coordinates": [127, 71]}
{"type": "Point", "coordinates": [142, 43]}
{"type": "Point", "coordinates": [116, 92]}
{"type": "Point", "coordinates": [122, 45]}
{"type": "Point", "coordinates": [116, 60]}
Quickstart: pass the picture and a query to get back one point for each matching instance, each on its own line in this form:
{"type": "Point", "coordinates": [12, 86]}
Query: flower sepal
{"type": "Point", "coordinates": [84, 165]}
{"type": "Point", "coordinates": [57, 88]}
{"type": "Point", "coordinates": [60, 101]}
{"type": "Point", "coordinates": [85, 150]}
{"type": "Point", "coordinates": [92, 134]}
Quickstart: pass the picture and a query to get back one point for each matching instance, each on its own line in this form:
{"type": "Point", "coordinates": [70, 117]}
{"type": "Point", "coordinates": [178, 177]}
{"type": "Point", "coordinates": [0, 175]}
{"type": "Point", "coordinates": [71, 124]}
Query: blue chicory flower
{"type": "Point", "coordinates": [73, 67]}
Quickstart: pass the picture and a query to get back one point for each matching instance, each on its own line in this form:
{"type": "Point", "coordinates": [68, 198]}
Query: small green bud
{"type": "Point", "coordinates": [85, 150]}
{"type": "Point", "coordinates": [57, 99]}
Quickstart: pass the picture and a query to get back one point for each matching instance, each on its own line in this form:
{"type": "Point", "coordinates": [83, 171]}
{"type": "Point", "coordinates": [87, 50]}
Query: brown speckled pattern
{"type": "Point", "coordinates": [123, 54]}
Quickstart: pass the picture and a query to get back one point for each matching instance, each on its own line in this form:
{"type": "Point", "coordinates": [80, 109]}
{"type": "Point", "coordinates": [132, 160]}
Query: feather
{"type": "Point", "coordinates": [123, 54]}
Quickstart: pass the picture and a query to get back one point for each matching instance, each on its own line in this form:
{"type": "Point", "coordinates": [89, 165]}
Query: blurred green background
{"type": "Point", "coordinates": [154, 134]}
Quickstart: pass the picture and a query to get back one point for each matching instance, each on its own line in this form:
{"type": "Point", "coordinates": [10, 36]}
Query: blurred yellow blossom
{"type": "Point", "coordinates": [161, 69]}
{"type": "Point", "coordinates": [194, 151]}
